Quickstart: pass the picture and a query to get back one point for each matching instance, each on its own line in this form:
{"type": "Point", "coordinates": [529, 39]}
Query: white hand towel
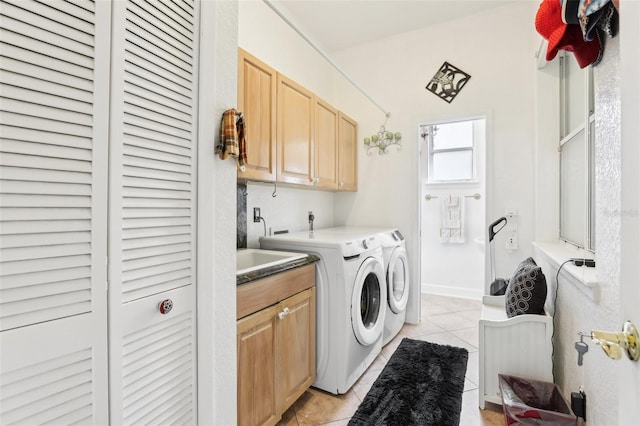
{"type": "Point", "coordinates": [452, 219]}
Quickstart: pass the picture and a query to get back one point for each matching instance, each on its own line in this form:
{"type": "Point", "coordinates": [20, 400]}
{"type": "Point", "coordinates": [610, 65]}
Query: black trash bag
{"type": "Point", "coordinates": [533, 402]}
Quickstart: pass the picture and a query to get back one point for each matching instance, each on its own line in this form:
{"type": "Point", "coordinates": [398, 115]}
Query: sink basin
{"type": "Point", "coordinates": [249, 260]}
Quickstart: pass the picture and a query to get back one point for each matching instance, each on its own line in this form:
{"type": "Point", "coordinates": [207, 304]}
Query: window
{"type": "Point", "coordinates": [577, 164]}
{"type": "Point", "coordinates": [451, 150]}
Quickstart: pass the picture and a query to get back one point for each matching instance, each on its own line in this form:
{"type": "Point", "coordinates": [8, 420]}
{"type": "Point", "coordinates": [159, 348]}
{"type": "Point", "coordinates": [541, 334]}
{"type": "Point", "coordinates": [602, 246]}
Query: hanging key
{"type": "Point", "coordinates": [582, 348]}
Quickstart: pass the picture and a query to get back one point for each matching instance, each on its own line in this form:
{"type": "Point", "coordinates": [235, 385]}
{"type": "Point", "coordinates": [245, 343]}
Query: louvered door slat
{"type": "Point", "coordinates": [145, 44]}
{"type": "Point", "coordinates": [30, 200]}
{"type": "Point", "coordinates": [157, 238]}
{"type": "Point", "coordinates": [11, 228]}
{"type": "Point", "coordinates": [143, 82]}
{"type": "Point", "coordinates": [12, 214]}
{"type": "Point", "coordinates": [61, 287]}
{"type": "Point", "coordinates": [75, 63]}
{"type": "Point", "coordinates": [163, 15]}
{"type": "Point", "coordinates": [51, 278]}
{"type": "Point", "coordinates": [44, 137]}
{"type": "Point", "coordinates": [34, 188]}
{"type": "Point", "coordinates": [58, 113]}
{"type": "Point", "coordinates": [46, 163]}
{"type": "Point", "coordinates": [158, 154]}
{"type": "Point", "coordinates": [139, 138]}
{"type": "Point", "coordinates": [53, 190]}
{"type": "Point", "coordinates": [44, 150]}
{"type": "Point", "coordinates": [61, 13]}
{"type": "Point", "coordinates": [149, 170]}
{"type": "Point", "coordinates": [45, 61]}
{"type": "Point", "coordinates": [58, 99]}
{"type": "Point", "coordinates": [42, 30]}
{"type": "Point", "coordinates": [43, 124]}
{"type": "Point", "coordinates": [45, 80]}
{"type": "Point", "coordinates": [178, 40]}
{"type": "Point", "coordinates": [28, 240]}
{"type": "Point", "coordinates": [167, 185]}
{"type": "Point", "coordinates": [156, 284]}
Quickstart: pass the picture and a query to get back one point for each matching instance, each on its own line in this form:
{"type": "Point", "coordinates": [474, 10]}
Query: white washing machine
{"type": "Point", "coordinates": [350, 297]}
{"type": "Point", "coordinates": [396, 268]}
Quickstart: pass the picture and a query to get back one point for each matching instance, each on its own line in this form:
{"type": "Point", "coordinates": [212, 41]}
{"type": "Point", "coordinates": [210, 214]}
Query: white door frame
{"type": "Point", "coordinates": [629, 379]}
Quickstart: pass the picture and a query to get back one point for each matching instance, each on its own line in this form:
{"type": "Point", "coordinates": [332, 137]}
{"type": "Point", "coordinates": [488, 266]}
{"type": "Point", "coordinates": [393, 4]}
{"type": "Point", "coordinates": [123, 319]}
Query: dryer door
{"type": "Point", "coordinates": [398, 280]}
{"type": "Point", "coordinates": [367, 302]}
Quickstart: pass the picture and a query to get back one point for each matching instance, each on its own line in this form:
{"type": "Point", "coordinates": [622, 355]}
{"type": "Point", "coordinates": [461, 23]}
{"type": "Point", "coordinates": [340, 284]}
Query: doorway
{"type": "Point", "coordinates": [453, 207]}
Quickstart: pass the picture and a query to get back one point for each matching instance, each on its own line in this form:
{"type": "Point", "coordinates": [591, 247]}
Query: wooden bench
{"type": "Point", "coordinates": [519, 346]}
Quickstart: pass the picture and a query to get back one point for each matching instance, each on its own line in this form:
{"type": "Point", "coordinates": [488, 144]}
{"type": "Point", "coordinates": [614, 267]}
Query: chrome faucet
{"type": "Point", "coordinates": [311, 218]}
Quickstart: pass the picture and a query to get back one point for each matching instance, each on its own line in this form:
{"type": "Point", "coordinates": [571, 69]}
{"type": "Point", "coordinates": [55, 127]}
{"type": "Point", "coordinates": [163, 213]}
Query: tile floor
{"type": "Point", "coordinates": [445, 320]}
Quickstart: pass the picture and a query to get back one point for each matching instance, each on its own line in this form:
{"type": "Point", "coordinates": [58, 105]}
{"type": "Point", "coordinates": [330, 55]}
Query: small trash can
{"type": "Point", "coordinates": [527, 401]}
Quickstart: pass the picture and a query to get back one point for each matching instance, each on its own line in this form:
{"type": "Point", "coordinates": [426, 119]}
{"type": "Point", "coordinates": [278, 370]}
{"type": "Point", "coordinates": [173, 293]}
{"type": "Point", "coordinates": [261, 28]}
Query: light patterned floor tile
{"type": "Point", "coordinates": [469, 335]}
{"type": "Point", "coordinates": [450, 322]}
{"type": "Point", "coordinates": [460, 316]}
{"type": "Point", "coordinates": [316, 407]}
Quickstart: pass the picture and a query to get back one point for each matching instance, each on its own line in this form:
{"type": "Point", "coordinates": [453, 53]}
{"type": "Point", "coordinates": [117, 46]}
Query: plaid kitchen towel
{"type": "Point", "coordinates": [232, 137]}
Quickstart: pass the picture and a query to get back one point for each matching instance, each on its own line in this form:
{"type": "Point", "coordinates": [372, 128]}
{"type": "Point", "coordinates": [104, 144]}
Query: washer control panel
{"type": "Point", "coordinates": [356, 247]}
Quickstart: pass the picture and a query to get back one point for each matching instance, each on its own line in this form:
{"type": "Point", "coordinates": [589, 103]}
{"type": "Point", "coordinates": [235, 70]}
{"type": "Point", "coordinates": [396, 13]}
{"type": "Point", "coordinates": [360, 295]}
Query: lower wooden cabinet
{"type": "Point", "coordinates": [276, 358]}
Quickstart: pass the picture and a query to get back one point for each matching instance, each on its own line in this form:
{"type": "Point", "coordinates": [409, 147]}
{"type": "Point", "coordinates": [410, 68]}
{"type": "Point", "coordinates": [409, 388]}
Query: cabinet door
{"type": "Point", "coordinates": [256, 348]}
{"type": "Point", "coordinates": [53, 180]}
{"type": "Point", "coordinates": [257, 101]}
{"type": "Point", "coordinates": [326, 146]}
{"type": "Point", "coordinates": [296, 343]}
{"type": "Point", "coordinates": [296, 112]}
{"type": "Point", "coordinates": [152, 212]}
{"type": "Point", "coordinates": [347, 153]}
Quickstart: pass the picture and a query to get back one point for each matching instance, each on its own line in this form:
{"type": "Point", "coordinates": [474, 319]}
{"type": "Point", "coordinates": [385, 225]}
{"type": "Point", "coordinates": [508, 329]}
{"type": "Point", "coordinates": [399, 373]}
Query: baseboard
{"type": "Point", "coordinates": [442, 290]}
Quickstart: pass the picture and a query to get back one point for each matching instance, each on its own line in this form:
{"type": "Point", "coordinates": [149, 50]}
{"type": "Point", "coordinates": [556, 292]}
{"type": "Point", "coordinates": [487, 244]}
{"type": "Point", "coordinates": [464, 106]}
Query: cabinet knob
{"type": "Point", "coordinates": [166, 306]}
{"type": "Point", "coordinates": [341, 184]}
{"type": "Point", "coordinates": [284, 313]}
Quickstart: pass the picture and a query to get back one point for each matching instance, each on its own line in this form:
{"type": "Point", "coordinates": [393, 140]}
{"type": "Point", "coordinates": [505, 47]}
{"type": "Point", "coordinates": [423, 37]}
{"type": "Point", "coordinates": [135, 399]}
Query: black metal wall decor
{"type": "Point", "coordinates": [448, 82]}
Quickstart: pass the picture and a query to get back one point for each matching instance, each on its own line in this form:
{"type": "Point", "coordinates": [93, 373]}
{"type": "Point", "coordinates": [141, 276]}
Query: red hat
{"type": "Point", "coordinates": [565, 37]}
{"type": "Point", "coordinates": [550, 26]}
{"type": "Point", "coordinates": [586, 52]}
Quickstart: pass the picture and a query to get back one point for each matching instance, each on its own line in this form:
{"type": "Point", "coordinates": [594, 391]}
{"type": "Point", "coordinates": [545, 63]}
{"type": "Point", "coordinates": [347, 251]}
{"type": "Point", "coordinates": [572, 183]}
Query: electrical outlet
{"type": "Point", "coordinates": [256, 214]}
{"type": "Point", "coordinates": [512, 240]}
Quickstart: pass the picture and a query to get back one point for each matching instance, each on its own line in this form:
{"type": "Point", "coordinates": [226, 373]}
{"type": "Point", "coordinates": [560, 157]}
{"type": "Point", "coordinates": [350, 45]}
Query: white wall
{"type": "Point", "coordinates": [216, 219]}
{"type": "Point", "coordinates": [499, 55]}
{"type": "Point", "coordinates": [289, 210]}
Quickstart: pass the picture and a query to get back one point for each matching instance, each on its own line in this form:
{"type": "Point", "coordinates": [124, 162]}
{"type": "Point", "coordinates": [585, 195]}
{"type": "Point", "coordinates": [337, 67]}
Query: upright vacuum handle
{"type": "Point", "coordinates": [492, 232]}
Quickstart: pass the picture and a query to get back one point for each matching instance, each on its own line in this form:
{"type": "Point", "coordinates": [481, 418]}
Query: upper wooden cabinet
{"type": "Point", "coordinates": [326, 146]}
{"type": "Point", "coordinates": [347, 153]}
{"type": "Point", "coordinates": [294, 132]}
{"type": "Point", "coordinates": [257, 84]}
{"type": "Point", "coordinates": [292, 135]}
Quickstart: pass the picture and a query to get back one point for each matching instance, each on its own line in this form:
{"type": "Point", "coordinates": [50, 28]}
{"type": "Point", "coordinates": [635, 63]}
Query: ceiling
{"type": "Point", "coordinates": [339, 24]}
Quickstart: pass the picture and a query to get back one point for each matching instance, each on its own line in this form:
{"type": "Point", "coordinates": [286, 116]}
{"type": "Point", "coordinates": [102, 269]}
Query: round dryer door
{"type": "Point", "coordinates": [367, 302]}
{"type": "Point", "coordinates": [398, 280]}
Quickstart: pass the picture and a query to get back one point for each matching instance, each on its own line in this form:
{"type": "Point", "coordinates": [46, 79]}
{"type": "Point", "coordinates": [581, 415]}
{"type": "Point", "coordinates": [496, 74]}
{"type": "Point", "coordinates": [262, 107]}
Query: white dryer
{"type": "Point", "coordinates": [396, 265]}
{"type": "Point", "coordinates": [396, 268]}
{"type": "Point", "coordinates": [350, 296]}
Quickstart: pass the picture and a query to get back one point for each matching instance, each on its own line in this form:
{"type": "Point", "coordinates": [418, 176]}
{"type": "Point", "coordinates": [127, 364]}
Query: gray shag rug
{"type": "Point", "coordinates": [422, 384]}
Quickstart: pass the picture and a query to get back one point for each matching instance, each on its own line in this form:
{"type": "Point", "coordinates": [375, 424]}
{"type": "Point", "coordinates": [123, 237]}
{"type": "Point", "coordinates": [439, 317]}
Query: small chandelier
{"type": "Point", "coordinates": [382, 140]}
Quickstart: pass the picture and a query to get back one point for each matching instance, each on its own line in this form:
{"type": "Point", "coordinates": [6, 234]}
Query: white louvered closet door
{"type": "Point", "coordinates": [152, 212]}
{"type": "Point", "coordinates": [54, 64]}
